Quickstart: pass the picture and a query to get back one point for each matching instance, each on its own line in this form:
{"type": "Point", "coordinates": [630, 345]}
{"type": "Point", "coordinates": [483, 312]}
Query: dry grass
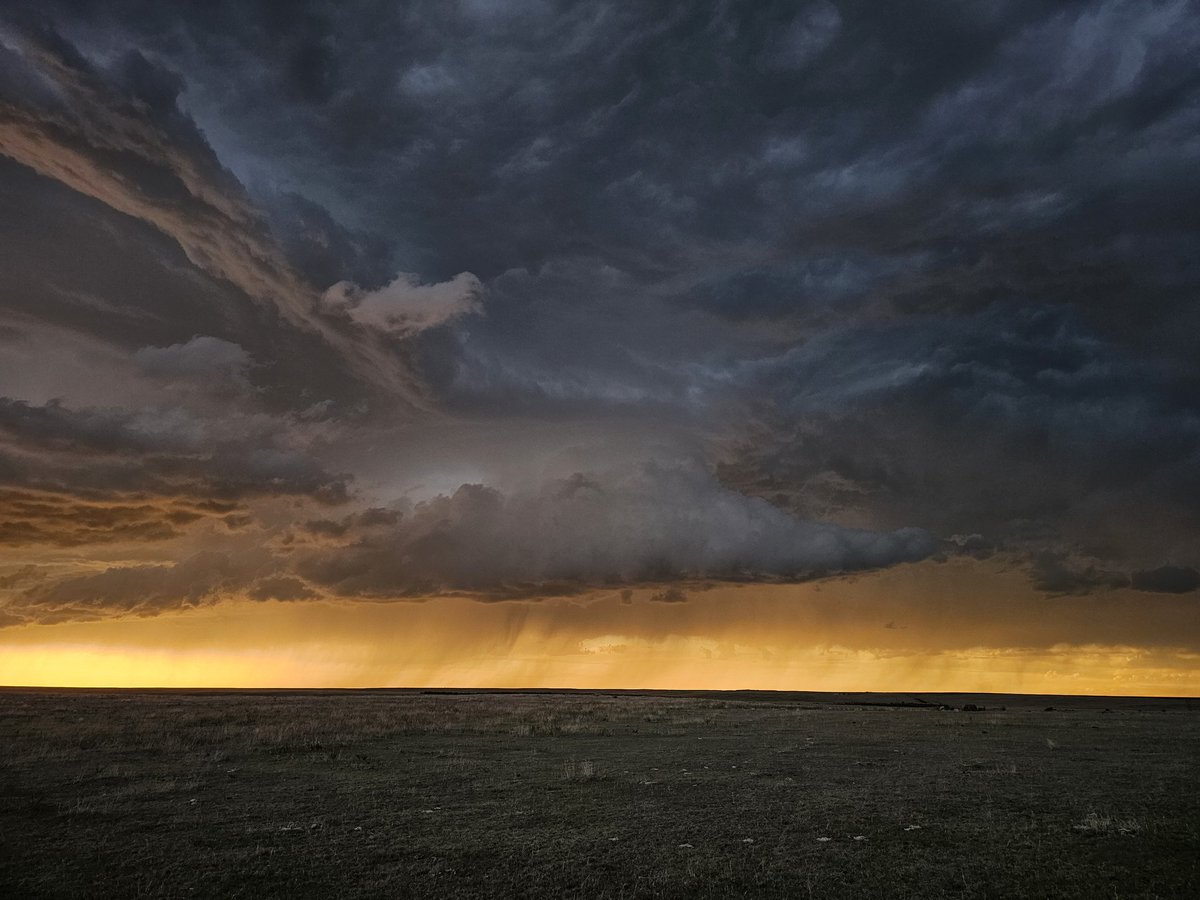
{"type": "Point", "coordinates": [578, 770]}
{"type": "Point", "coordinates": [1095, 823]}
{"type": "Point", "coordinates": [598, 795]}
{"type": "Point", "coordinates": [172, 723]}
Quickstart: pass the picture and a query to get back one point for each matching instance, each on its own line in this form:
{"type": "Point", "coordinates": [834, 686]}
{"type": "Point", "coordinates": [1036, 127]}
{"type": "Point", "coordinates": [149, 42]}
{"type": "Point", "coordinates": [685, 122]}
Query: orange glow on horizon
{"type": "Point", "coordinates": [902, 630]}
{"type": "Point", "coordinates": [676, 666]}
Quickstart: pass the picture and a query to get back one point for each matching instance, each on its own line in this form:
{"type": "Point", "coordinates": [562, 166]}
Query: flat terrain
{"type": "Point", "coordinates": [462, 794]}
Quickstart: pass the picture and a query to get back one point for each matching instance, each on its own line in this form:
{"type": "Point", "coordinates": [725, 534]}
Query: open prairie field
{"type": "Point", "coordinates": [587, 794]}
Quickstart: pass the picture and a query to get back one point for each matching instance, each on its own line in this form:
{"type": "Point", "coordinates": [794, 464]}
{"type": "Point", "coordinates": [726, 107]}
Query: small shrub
{"type": "Point", "coordinates": [1095, 823]}
{"type": "Point", "coordinates": [579, 770]}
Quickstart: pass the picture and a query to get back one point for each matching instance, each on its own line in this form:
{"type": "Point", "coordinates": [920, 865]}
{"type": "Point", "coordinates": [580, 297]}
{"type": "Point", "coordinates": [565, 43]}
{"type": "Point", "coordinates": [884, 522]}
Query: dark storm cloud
{"type": "Point", "coordinates": [147, 590]}
{"type": "Point", "coordinates": [1017, 422]}
{"type": "Point", "coordinates": [29, 518]}
{"type": "Point", "coordinates": [918, 153]}
{"type": "Point", "coordinates": [107, 452]}
{"type": "Point", "coordinates": [569, 536]}
{"type": "Point", "coordinates": [938, 154]}
{"type": "Point", "coordinates": [1056, 574]}
{"type": "Point", "coordinates": [656, 525]}
{"type": "Point", "coordinates": [119, 137]}
{"type": "Point", "coordinates": [203, 356]}
{"type": "Point", "coordinates": [906, 265]}
{"type": "Point", "coordinates": [1167, 580]}
{"type": "Point", "coordinates": [323, 250]}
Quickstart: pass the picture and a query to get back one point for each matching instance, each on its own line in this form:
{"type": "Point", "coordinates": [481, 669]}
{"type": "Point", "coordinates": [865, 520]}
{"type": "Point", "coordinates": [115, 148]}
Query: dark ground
{"type": "Point", "coordinates": [462, 794]}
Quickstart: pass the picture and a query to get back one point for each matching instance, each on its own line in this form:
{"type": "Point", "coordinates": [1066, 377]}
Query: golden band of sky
{"type": "Point", "coordinates": [925, 627]}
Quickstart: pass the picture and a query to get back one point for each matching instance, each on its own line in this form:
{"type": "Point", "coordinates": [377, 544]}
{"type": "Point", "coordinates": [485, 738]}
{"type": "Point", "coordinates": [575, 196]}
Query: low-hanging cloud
{"type": "Point", "coordinates": [655, 524]}
{"type": "Point", "coordinates": [104, 454]}
{"type": "Point", "coordinates": [198, 580]}
{"type": "Point", "coordinates": [879, 265]}
{"type": "Point", "coordinates": [663, 525]}
{"type": "Point", "coordinates": [1167, 580]}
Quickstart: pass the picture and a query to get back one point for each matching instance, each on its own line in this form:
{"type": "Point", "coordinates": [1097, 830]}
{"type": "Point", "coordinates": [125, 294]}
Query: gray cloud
{"type": "Point", "coordinates": [202, 356]}
{"type": "Point", "coordinates": [881, 267]}
{"type": "Point", "coordinates": [654, 524]}
{"type": "Point", "coordinates": [1020, 424]}
{"type": "Point", "coordinates": [1055, 573]}
{"type": "Point", "coordinates": [1167, 580]}
{"type": "Point", "coordinates": [105, 452]}
{"type": "Point", "coordinates": [31, 518]}
{"type": "Point", "coordinates": [280, 587]}
{"type": "Point", "coordinates": [110, 146]}
{"type": "Point", "coordinates": [145, 590]}
{"type": "Point", "coordinates": [569, 535]}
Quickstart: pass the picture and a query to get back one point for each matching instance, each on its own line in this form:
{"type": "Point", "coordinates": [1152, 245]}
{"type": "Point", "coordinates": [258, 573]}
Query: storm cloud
{"type": "Point", "coordinates": [801, 288]}
{"type": "Point", "coordinates": [655, 525]}
{"type": "Point", "coordinates": [568, 536]}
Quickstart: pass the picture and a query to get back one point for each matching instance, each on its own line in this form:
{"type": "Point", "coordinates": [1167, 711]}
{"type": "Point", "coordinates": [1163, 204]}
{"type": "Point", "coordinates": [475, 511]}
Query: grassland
{"type": "Point", "coordinates": [460, 794]}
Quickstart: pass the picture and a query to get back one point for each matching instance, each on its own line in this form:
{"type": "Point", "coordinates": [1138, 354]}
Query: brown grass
{"type": "Point", "coordinates": [479, 795]}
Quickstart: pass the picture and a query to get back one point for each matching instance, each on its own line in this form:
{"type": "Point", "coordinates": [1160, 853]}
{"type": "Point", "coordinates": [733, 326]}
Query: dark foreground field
{"type": "Point", "coordinates": [395, 794]}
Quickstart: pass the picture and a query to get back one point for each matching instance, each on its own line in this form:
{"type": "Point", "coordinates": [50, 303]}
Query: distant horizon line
{"type": "Point", "coordinates": [914, 695]}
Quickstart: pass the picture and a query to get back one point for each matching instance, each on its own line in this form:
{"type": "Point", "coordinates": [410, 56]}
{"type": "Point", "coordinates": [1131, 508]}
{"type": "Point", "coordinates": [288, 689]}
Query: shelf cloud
{"type": "Point", "coordinates": [517, 301]}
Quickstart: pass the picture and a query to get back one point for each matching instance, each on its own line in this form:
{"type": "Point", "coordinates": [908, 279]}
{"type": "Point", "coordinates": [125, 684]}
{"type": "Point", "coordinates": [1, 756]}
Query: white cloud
{"type": "Point", "coordinates": [406, 306]}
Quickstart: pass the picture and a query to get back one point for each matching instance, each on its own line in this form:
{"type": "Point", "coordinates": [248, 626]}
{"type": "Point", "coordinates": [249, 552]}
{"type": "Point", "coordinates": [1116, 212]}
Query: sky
{"type": "Point", "coordinates": [808, 345]}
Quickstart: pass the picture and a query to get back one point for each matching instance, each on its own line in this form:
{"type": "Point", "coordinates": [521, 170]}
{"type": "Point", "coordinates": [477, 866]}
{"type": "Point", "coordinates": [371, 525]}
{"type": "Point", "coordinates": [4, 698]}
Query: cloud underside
{"type": "Point", "coordinates": [511, 300]}
{"type": "Point", "coordinates": [569, 536]}
{"type": "Point", "coordinates": [107, 453]}
{"type": "Point", "coordinates": [95, 133]}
